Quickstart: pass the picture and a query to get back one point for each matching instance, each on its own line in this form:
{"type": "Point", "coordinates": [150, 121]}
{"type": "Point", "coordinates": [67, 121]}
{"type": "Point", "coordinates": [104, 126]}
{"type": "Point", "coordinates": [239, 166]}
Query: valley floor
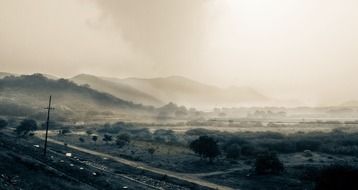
{"type": "Point", "coordinates": [80, 171]}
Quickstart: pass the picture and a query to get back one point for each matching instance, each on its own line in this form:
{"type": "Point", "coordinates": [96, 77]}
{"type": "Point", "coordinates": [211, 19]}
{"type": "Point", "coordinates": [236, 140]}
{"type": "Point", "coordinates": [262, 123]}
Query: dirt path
{"type": "Point", "coordinates": [220, 172]}
{"type": "Point", "coordinates": [186, 177]}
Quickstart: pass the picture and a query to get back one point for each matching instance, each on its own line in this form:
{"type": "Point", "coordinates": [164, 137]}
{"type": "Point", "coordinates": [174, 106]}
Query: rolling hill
{"type": "Point", "coordinates": [4, 74]}
{"type": "Point", "coordinates": [184, 91]}
{"type": "Point", "coordinates": [352, 103]}
{"type": "Point", "coordinates": [119, 90]}
{"type": "Point", "coordinates": [28, 94]}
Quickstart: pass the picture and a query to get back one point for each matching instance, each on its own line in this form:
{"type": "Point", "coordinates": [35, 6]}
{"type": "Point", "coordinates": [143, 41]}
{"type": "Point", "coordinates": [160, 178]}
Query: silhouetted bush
{"type": "Point", "coordinates": [94, 138]}
{"type": "Point", "coordinates": [3, 123]}
{"type": "Point", "coordinates": [26, 126]}
{"type": "Point", "coordinates": [282, 146]}
{"type": "Point", "coordinates": [107, 138]}
{"type": "Point", "coordinates": [233, 151]}
{"type": "Point", "coordinates": [163, 135]}
{"type": "Point", "coordinates": [268, 163]}
{"type": "Point", "coordinates": [312, 145]}
{"type": "Point", "coordinates": [64, 131]}
{"type": "Point", "coordinates": [124, 137]}
{"type": "Point", "coordinates": [206, 147]}
{"type": "Point", "coordinates": [338, 177]}
{"type": "Point", "coordinates": [270, 135]}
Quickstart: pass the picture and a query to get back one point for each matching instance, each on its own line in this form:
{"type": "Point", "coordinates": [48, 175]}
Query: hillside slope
{"type": "Point", "coordinates": [28, 95]}
{"type": "Point", "coordinates": [119, 90]}
{"type": "Point", "coordinates": [188, 92]}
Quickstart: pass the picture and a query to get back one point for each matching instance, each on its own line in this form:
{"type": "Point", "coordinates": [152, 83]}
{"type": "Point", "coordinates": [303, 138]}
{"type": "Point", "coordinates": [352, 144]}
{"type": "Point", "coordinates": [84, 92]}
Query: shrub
{"type": "Point", "coordinates": [122, 140]}
{"type": "Point", "coordinates": [120, 143]}
{"type": "Point", "coordinates": [248, 150]}
{"type": "Point", "coordinates": [312, 145]}
{"type": "Point", "coordinates": [284, 146]}
{"type": "Point", "coordinates": [206, 147]}
{"type": "Point", "coordinates": [233, 151]}
{"type": "Point", "coordinates": [89, 132]}
{"type": "Point", "coordinates": [124, 137]}
{"type": "Point", "coordinates": [3, 123]}
{"type": "Point", "coordinates": [307, 153]}
{"type": "Point", "coordinates": [163, 135]}
{"type": "Point", "coordinates": [64, 131]}
{"type": "Point", "coordinates": [268, 163]}
{"type": "Point", "coordinates": [151, 151]}
{"type": "Point", "coordinates": [94, 138]}
{"type": "Point", "coordinates": [336, 177]}
{"type": "Point", "coordinates": [25, 127]}
{"type": "Point", "coordinates": [107, 138]}
{"type": "Point", "coordinates": [271, 135]}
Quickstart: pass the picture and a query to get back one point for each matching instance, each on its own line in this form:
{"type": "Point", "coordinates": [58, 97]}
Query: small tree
{"type": "Point", "coordinates": [94, 138]}
{"type": "Point", "coordinates": [82, 140]}
{"type": "Point", "coordinates": [151, 151]}
{"type": "Point", "coordinates": [206, 147]}
{"type": "Point", "coordinates": [3, 123]}
{"type": "Point", "coordinates": [25, 127]}
{"type": "Point", "coordinates": [268, 163]}
{"type": "Point", "coordinates": [107, 138]}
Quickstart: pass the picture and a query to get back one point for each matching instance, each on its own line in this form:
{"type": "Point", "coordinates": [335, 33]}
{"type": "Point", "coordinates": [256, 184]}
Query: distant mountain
{"type": "Point", "coordinates": [352, 103]}
{"type": "Point", "coordinates": [27, 95]}
{"type": "Point", "coordinates": [160, 91]}
{"type": "Point", "coordinates": [119, 90]}
{"type": "Point", "coordinates": [3, 74]}
{"type": "Point", "coordinates": [184, 91]}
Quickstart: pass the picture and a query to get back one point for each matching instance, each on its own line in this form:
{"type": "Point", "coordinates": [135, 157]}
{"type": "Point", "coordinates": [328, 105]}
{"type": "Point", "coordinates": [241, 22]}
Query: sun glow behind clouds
{"type": "Point", "coordinates": [288, 48]}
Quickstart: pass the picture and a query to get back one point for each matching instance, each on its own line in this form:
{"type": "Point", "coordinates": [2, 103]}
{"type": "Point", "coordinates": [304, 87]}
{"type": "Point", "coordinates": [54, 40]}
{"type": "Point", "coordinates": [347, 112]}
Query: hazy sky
{"type": "Point", "coordinates": [293, 49]}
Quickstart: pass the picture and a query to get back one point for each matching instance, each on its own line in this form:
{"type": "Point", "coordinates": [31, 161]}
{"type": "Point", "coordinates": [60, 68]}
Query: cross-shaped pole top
{"type": "Point", "coordinates": [49, 105]}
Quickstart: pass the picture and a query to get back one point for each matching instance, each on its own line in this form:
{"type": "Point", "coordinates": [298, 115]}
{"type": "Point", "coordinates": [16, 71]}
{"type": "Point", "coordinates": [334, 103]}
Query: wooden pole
{"type": "Point", "coordinates": [47, 124]}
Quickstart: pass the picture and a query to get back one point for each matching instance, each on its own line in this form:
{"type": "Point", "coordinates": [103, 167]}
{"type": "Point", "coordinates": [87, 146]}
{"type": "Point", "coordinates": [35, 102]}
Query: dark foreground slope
{"type": "Point", "coordinates": [79, 171]}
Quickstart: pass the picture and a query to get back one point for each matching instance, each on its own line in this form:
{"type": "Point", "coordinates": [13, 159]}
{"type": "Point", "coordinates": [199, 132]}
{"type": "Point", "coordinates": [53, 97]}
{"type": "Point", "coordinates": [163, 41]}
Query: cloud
{"type": "Point", "coordinates": [302, 49]}
{"type": "Point", "coordinates": [169, 33]}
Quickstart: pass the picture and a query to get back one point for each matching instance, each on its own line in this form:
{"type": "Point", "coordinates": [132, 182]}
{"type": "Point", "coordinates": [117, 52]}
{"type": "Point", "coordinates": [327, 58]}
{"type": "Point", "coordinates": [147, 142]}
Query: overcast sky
{"type": "Point", "coordinates": [292, 49]}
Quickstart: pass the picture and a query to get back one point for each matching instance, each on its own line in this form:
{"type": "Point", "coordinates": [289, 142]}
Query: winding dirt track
{"type": "Point", "coordinates": [185, 177]}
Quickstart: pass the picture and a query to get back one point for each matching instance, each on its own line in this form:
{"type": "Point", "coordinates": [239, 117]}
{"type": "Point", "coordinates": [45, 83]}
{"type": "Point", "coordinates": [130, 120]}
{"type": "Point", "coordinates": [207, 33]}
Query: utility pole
{"type": "Point", "coordinates": [47, 123]}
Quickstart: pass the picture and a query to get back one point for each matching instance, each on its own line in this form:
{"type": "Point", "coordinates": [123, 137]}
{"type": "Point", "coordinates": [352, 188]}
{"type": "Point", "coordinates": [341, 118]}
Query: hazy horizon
{"type": "Point", "coordinates": [298, 49]}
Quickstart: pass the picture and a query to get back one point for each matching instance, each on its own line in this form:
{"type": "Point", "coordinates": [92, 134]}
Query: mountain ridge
{"type": "Point", "coordinates": [121, 91]}
{"type": "Point", "coordinates": [70, 99]}
{"type": "Point", "coordinates": [185, 91]}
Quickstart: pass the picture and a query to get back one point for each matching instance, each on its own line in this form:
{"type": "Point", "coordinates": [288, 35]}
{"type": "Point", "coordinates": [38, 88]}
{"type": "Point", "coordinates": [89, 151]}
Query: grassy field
{"type": "Point", "coordinates": [299, 152]}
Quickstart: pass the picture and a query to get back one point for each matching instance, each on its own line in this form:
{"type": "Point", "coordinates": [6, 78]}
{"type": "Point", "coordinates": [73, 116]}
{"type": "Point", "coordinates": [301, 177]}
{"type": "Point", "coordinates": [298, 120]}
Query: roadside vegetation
{"type": "Point", "coordinates": [247, 160]}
